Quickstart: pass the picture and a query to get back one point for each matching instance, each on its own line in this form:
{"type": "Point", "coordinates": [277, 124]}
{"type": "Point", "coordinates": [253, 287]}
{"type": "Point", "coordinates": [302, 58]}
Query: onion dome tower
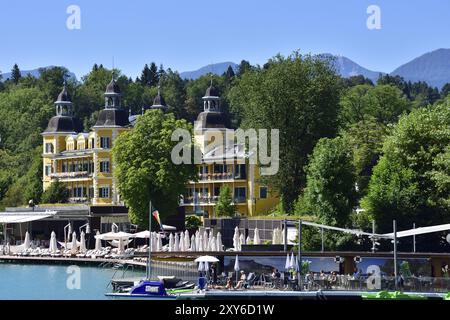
{"type": "Point", "coordinates": [112, 115]}
{"type": "Point", "coordinates": [64, 121]}
{"type": "Point", "coordinates": [211, 117]}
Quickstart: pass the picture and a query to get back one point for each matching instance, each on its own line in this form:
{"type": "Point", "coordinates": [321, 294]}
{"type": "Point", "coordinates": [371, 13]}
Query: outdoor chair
{"type": "Point", "coordinates": [250, 280]}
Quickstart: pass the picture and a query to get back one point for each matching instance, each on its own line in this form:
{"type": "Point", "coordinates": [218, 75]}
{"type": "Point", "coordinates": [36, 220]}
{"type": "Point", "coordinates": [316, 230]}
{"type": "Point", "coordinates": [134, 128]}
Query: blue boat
{"type": "Point", "coordinates": [145, 289]}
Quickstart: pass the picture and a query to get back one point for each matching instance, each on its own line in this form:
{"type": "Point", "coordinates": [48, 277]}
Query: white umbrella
{"type": "Point", "coordinates": [274, 236]}
{"type": "Point", "coordinates": [52, 248]}
{"type": "Point", "coordinates": [114, 235]}
{"type": "Point", "coordinates": [296, 265]}
{"type": "Point", "coordinates": [154, 243]}
{"type": "Point", "coordinates": [142, 235]}
{"type": "Point", "coordinates": [247, 241]}
{"type": "Point", "coordinates": [193, 247]}
{"type": "Point", "coordinates": [219, 242]}
{"type": "Point", "coordinates": [187, 242]}
{"type": "Point", "coordinates": [236, 238]}
{"type": "Point", "coordinates": [98, 243]}
{"type": "Point", "coordinates": [205, 241]}
{"type": "Point", "coordinates": [74, 248]}
{"type": "Point", "coordinates": [206, 259]}
{"type": "Point", "coordinates": [158, 242]}
{"type": "Point", "coordinates": [182, 247]}
{"type": "Point", "coordinates": [212, 245]}
{"type": "Point", "coordinates": [176, 246]}
{"type": "Point", "coordinates": [241, 241]}
{"type": "Point", "coordinates": [200, 244]}
{"type": "Point", "coordinates": [27, 242]}
{"type": "Point", "coordinates": [292, 262]}
{"type": "Point", "coordinates": [287, 265]}
{"type": "Point", "coordinates": [171, 242]}
{"type": "Point", "coordinates": [83, 242]}
{"type": "Point", "coordinates": [236, 267]}
{"type": "Point", "coordinates": [197, 238]}
{"type": "Point", "coordinates": [256, 238]}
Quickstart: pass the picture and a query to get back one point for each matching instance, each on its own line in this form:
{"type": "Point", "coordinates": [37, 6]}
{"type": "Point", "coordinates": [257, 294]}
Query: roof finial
{"type": "Point", "coordinates": [112, 73]}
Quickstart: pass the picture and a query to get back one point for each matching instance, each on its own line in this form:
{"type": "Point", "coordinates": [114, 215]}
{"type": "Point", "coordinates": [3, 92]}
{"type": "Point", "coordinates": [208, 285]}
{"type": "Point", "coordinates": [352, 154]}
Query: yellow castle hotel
{"type": "Point", "coordinates": [224, 163]}
{"type": "Point", "coordinates": [83, 160]}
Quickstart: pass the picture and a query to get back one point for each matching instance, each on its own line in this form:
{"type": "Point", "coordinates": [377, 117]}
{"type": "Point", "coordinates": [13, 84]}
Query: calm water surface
{"type": "Point", "coordinates": [49, 282]}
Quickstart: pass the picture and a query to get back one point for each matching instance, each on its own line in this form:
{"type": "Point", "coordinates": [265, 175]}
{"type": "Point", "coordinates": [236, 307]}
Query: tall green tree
{"type": "Point", "coordinates": [382, 103]}
{"type": "Point", "coordinates": [225, 206]}
{"type": "Point", "coordinates": [409, 182]}
{"type": "Point", "coordinates": [330, 190]}
{"type": "Point", "coordinates": [15, 74]}
{"type": "Point", "coordinates": [299, 95]}
{"type": "Point", "coordinates": [144, 168]}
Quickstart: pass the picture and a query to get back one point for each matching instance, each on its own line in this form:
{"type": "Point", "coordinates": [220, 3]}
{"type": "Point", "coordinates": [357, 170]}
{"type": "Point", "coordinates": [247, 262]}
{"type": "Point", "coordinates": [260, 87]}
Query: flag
{"type": "Point", "coordinates": [156, 216]}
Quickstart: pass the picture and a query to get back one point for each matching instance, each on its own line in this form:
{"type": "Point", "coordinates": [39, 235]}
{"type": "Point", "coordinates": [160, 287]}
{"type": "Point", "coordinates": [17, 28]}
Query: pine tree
{"type": "Point", "coordinates": [145, 75]}
{"type": "Point", "coordinates": [229, 74]}
{"type": "Point", "coordinates": [15, 74]}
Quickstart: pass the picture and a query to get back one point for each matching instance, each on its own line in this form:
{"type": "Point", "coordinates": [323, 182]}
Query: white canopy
{"type": "Point", "coordinates": [142, 235]}
{"type": "Point", "coordinates": [206, 259]}
{"type": "Point", "coordinates": [114, 236]}
{"type": "Point", "coordinates": [422, 230]}
{"type": "Point", "coordinates": [26, 216]}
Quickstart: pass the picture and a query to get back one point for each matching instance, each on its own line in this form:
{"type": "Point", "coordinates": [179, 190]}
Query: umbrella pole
{"type": "Point", "coordinates": [149, 263]}
{"type": "Point", "coordinates": [299, 257]}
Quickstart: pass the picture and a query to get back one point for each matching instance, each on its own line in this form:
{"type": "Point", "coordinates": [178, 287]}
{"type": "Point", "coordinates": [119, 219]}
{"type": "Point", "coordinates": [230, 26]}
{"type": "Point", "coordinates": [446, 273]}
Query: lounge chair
{"type": "Point", "coordinates": [250, 280]}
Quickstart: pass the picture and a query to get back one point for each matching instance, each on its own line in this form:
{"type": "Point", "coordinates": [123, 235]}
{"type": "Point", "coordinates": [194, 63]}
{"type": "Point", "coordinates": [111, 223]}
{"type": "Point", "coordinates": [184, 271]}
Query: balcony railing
{"type": "Point", "coordinates": [68, 175]}
{"type": "Point", "coordinates": [201, 200]}
{"type": "Point", "coordinates": [220, 176]}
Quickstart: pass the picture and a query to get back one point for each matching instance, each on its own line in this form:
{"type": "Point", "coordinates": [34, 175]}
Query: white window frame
{"type": "Point", "coordinates": [102, 142]}
{"type": "Point", "coordinates": [102, 161]}
{"type": "Point", "coordinates": [101, 192]}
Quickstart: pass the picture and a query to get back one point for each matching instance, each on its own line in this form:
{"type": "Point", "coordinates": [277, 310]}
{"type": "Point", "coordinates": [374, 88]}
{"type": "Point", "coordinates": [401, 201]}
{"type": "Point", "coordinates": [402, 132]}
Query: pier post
{"type": "Point", "coordinates": [395, 254]}
{"type": "Point", "coordinates": [299, 255]}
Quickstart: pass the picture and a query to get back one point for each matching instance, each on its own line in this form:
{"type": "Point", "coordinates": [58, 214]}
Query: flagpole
{"type": "Point", "coordinates": [149, 262]}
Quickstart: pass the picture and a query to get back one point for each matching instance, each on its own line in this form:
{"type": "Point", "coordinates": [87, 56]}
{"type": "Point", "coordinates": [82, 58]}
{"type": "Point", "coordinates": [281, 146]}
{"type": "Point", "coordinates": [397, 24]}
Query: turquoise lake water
{"type": "Point", "coordinates": [50, 282]}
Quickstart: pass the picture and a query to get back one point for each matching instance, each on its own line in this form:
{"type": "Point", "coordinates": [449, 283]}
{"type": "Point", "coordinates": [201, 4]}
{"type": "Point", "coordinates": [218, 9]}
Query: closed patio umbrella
{"type": "Point", "coordinates": [256, 238]}
{"type": "Point", "coordinates": [27, 242]}
{"type": "Point", "coordinates": [176, 246]}
{"type": "Point", "coordinates": [171, 242]}
{"type": "Point", "coordinates": [187, 242]}
{"type": "Point", "coordinates": [182, 247]}
{"type": "Point", "coordinates": [248, 240]}
{"type": "Point", "coordinates": [74, 248]}
{"type": "Point", "coordinates": [83, 242]}
{"type": "Point", "coordinates": [287, 264]}
{"type": "Point", "coordinates": [219, 242]}
{"type": "Point", "coordinates": [236, 239]}
{"type": "Point", "coordinates": [158, 242]}
{"type": "Point", "coordinates": [200, 244]}
{"type": "Point", "coordinates": [193, 247]}
{"type": "Point", "coordinates": [236, 267]}
{"type": "Point", "coordinates": [98, 243]}
{"type": "Point", "coordinates": [292, 262]}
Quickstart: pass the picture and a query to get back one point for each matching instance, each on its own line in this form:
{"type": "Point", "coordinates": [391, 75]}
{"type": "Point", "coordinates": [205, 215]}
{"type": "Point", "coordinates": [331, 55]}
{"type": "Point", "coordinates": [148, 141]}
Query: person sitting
{"type": "Point", "coordinates": [229, 285]}
{"type": "Point", "coordinates": [333, 279]}
{"type": "Point", "coordinates": [241, 281]}
{"type": "Point", "coordinates": [276, 274]}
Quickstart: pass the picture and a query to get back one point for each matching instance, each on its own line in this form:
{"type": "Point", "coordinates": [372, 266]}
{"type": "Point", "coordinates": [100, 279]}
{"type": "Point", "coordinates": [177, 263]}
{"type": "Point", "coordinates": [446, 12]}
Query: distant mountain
{"type": "Point", "coordinates": [432, 67]}
{"type": "Point", "coordinates": [348, 68]}
{"type": "Point", "coordinates": [216, 68]}
{"type": "Point", "coordinates": [34, 73]}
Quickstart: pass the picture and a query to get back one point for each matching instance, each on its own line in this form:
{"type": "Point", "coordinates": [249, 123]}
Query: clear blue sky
{"type": "Point", "coordinates": [186, 35]}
